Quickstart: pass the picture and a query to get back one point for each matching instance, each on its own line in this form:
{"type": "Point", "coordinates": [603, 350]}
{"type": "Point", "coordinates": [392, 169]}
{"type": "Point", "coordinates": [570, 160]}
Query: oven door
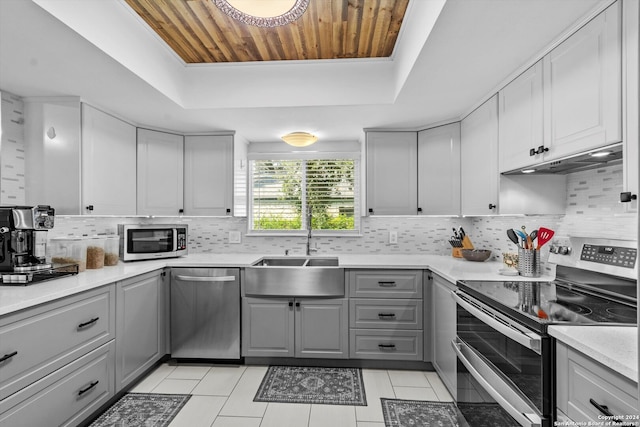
{"type": "Point", "coordinates": [504, 368]}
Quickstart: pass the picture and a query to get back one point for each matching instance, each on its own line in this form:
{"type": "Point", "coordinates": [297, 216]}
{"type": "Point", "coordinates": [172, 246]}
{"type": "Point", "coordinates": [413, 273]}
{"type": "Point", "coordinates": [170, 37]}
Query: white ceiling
{"type": "Point", "coordinates": [443, 66]}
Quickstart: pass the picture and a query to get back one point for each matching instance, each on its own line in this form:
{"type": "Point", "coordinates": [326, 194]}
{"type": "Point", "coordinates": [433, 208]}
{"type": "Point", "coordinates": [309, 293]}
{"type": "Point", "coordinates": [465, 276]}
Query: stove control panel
{"type": "Point", "coordinates": [611, 255]}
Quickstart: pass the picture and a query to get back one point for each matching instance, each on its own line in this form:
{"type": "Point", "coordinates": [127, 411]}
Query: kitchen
{"type": "Point", "coordinates": [589, 202]}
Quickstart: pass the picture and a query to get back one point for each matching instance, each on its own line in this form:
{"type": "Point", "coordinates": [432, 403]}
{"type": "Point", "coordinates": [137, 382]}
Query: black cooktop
{"type": "Point", "coordinates": [538, 304]}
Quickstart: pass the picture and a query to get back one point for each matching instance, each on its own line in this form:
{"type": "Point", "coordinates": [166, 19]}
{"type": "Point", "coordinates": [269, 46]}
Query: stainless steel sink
{"type": "Point", "coordinates": [295, 276]}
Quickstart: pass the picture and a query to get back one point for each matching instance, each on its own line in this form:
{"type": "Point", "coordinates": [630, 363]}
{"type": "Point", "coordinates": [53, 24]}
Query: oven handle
{"type": "Point", "coordinates": [525, 419]}
{"type": "Point", "coordinates": [500, 323]}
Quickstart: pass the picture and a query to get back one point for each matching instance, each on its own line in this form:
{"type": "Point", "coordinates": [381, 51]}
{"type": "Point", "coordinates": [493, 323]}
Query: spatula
{"type": "Point", "coordinates": [512, 236]}
{"type": "Point", "coordinates": [544, 235]}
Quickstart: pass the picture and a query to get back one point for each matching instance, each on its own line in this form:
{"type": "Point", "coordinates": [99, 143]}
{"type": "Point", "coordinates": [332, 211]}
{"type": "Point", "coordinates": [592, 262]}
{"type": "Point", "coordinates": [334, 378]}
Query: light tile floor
{"type": "Point", "coordinates": [222, 396]}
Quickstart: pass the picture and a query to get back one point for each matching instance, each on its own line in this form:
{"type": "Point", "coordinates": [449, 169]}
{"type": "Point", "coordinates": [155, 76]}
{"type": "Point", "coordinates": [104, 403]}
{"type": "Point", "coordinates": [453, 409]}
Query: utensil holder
{"type": "Point", "coordinates": [528, 262]}
{"type": "Point", "coordinates": [466, 244]}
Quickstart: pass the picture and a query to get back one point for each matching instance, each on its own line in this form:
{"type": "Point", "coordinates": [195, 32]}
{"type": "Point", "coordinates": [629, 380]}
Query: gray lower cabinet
{"type": "Point", "coordinates": [443, 331]}
{"type": "Point", "coordinates": [386, 314]}
{"type": "Point", "coordinates": [295, 327]}
{"type": "Point", "coordinates": [587, 390]}
{"type": "Point", "coordinates": [140, 325]}
{"type": "Point", "coordinates": [65, 397]}
{"type": "Point", "coordinates": [58, 365]}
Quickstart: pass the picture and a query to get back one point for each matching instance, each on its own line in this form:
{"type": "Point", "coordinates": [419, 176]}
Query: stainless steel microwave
{"type": "Point", "coordinates": [152, 241]}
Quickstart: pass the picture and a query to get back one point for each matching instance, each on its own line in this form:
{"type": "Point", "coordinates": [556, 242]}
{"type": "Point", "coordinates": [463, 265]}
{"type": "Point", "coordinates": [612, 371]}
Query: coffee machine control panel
{"type": "Point", "coordinates": [43, 217]}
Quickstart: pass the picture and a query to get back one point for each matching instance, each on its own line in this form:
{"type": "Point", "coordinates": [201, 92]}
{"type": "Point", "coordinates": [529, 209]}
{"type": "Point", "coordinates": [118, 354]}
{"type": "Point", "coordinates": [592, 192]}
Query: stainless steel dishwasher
{"type": "Point", "coordinates": [205, 313]}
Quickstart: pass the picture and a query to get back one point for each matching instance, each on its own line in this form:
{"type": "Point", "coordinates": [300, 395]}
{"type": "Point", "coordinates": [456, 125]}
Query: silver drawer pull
{"type": "Point", "coordinates": [206, 278]}
{"type": "Point", "coordinates": [387, 284]}
{"type": "Point", "coordinates": [386, 315]}
{"type": "Point", "coordinates": [387, 346]}
{"type": "Point", "coordinates": [7, 356]}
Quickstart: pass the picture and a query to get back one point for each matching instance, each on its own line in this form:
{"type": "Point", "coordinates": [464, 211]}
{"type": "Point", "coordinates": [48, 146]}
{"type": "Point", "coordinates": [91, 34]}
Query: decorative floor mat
{"type": "Point", "coordinates": [142, 410]}
{"type": "Point", "coordinates": [412, 413]}
{"type": "Point", "coordinates": [329, 386]}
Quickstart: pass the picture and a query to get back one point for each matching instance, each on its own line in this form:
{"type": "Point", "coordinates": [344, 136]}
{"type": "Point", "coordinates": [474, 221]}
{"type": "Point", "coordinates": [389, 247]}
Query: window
{"type": "Point", "coordinates": [284, 191]}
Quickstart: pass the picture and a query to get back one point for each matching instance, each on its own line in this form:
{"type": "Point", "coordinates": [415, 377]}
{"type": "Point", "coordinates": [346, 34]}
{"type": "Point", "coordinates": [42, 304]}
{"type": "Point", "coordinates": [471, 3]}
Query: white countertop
{"type": "Point", "coordinates": [15, 298]}
{"type": "Point", "coordinates": [614, 346]}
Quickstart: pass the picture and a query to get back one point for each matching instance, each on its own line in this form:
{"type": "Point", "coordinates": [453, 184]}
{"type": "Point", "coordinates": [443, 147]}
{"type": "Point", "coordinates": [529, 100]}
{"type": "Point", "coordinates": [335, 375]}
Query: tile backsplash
{"type": "Point", "coordinates": [592, 210]}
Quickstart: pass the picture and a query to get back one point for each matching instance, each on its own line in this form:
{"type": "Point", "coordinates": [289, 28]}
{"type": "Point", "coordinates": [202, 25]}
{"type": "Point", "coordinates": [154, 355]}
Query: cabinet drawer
{"type": "Point", "coordinates": [65, 397]}
{"type": "Point", "coordinates": [385, 314]}
{"type": "Point", "coordinates": [46, 338]}
{"type": "Point", "coordinates": [385, 345]}
{"type": "Point", "coordinates": [589, 380]}
{"type": "Point", "coordinates": [385, 283]}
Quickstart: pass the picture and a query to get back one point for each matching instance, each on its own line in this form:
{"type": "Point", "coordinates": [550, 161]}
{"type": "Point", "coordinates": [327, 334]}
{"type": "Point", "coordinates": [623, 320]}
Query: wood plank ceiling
{"type": "Point", "coordinates": [329, 29]}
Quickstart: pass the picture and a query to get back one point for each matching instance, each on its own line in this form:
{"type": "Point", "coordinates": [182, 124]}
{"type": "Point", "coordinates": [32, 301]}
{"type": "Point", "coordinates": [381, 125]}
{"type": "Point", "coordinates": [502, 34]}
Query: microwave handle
{"type": "Point", "coordinates": [528, 420]}
{"type": "Point", "coordinates": [530, 340]}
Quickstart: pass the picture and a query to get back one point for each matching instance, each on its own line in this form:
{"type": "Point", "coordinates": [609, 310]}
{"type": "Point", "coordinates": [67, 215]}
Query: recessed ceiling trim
{"type": "Point", "coordinates": [288, 17]}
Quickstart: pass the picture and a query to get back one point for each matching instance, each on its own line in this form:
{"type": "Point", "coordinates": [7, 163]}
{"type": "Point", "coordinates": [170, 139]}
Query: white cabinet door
{"type": "Point", "coordinates": [479, 160]}
{"type": "Point", "coordinates": [392, 173]}
{"type": "Point", "coordinates": [160, 173]}
{"type": "Point", "coordinates": [439, 170]}
{"type": "Point", "coordinates": [322, 328]}
{"type": "Point", "coordinates": [583, 94]}
{"type": "Point", "coordinates": [108, 164]}
{"type": "Point", "coordinates": [521, 120]}
{"type": "Point", "coordinates": [443, 331]}
{"type": "Point", "coordinates": [208, 175]}
{"type": "Point", "coordinates": [140, 326]}
{"type": "Point", "coordinates": [631, 14]}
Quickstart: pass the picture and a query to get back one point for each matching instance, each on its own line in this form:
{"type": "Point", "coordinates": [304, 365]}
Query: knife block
{"type": "Point", "coordinates": [466, 244]}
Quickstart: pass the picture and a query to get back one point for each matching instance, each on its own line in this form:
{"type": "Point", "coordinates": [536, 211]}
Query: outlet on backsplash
{"type": "Point", "coordinates": [393, 237]}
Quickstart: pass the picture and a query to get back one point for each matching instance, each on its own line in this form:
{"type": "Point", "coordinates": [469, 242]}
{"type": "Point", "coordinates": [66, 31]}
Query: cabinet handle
{"type": "Point", "coordinates": [90, 208]}
{"type": "Point", "coordinates": [604, 409]}
{"type": "Point", "coordinates": [386, 346]}
{"type": "Point", "coordinates": [541, 149]}
{"type": "Point", "coordinates": [90, 322]}
{"type": "Point", "coordinates": [419, 209]}
{"type": "Point", "coordinates": [290, 303]}
{"type": "Point", "coordinates": [387, 284]}
{"type": "Point", "coordinates": [7, 356]}
{"type": "Point", "coordinates": [626, 197]}
{"type": "Point", "coordinates": [297, 304]}
{"type": "Point", "coordinates": [492, 206]}
{"type": "Point", "coordinates": [386, 315]}
{"type": "Point", "coordinates": [89, 387]}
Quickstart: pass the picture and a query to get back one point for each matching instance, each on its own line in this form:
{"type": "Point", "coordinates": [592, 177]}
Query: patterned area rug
{"type": "Point", "coordinates": [142, 410]}
{"type": "Point", "coordinates": [413, 413]}
{"type": "Point", "coordinates": [330, 386]}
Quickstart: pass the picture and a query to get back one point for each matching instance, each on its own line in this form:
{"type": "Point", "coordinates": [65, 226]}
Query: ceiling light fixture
{"type": "Point", "coordinates": [263, 13]}
{"type": "Point", "coordinates": [299, 139]}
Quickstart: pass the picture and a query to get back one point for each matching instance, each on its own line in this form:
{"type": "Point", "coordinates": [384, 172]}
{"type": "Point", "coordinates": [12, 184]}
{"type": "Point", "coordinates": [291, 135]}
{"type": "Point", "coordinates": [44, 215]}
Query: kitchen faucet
{"type": "Point", "coordinates": [309, 227]}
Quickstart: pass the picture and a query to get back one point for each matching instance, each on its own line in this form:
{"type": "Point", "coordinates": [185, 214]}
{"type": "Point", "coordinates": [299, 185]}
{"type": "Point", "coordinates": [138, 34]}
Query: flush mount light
{"type": "Point", "coordinates": [528, 171]}
{"type": "Point", "coordinates": [299, 139]}
{"type": "Point", "coordinates": [600, 154]}
{"type": "Point", "coordinates": [263, 13]}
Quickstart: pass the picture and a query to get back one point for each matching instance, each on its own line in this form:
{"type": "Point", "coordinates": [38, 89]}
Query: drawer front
{"type": "Point", "coordinates": [47, 338]}
{"type": "Point", "coordinates": [65, 397]}
{"type": "Point", "coordinates": [385, 345]}
{"type": "Point", "coordinates": [385, 314]}
{"type": "Point", "coordinates": [588, 381]}
{"type": "Point", "coordinates": [385, 283]}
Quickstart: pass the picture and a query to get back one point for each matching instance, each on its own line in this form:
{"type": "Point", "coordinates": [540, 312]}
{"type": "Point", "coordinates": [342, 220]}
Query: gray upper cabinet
{"type": "Point", "coordinates": [160, 173]}
{"type": "Point", "coordinates": [208, 175]}
{"type": "Point", "coordinates": [479, 160]}
{"type": "Point", "coordinates": [108, 164]}
{"type": "Point", "coordinates": [439, 170]}
{"type": "Point", "coordinates": [392, 173]}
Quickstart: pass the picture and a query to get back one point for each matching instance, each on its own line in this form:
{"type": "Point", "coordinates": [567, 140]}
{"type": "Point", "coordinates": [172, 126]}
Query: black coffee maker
{"type": "Point", "coordinates": [23, 237]}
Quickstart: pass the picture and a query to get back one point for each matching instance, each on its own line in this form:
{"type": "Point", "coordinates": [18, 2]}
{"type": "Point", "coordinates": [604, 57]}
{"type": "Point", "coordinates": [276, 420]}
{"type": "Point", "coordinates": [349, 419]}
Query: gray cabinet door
{"type": "Point", "coordinates": [322, 328]}
{"type": "Point", "coordinates": [139, 326]}
{"type": "Point", "coordinates": [268, 327]}
{"type": "Point", "coordinates": [444, 331]}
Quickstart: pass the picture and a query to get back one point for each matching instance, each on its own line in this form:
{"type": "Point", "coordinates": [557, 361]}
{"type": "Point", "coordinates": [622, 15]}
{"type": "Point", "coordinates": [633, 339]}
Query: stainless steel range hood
{"type": "Point", "coordinates": [578, 162]}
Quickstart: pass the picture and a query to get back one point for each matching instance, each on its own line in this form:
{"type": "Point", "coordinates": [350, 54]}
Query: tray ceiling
{"type": "Point", "coordinates": [198, 32]}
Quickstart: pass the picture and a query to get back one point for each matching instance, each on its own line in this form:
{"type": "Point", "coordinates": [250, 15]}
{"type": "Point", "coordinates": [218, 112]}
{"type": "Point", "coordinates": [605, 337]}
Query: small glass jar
{"type": "Point", "coordinates": [111, 250]}
{"type": "Point", "coordinates": [68, 250]}
{"type": "Point", "coordinates": [95, 252]}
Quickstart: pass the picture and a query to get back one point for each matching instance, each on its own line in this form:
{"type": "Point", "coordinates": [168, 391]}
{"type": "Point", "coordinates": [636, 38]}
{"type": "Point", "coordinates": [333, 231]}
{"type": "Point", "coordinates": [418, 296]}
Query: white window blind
{"type": "Point", "coordinates": [282, 191]}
